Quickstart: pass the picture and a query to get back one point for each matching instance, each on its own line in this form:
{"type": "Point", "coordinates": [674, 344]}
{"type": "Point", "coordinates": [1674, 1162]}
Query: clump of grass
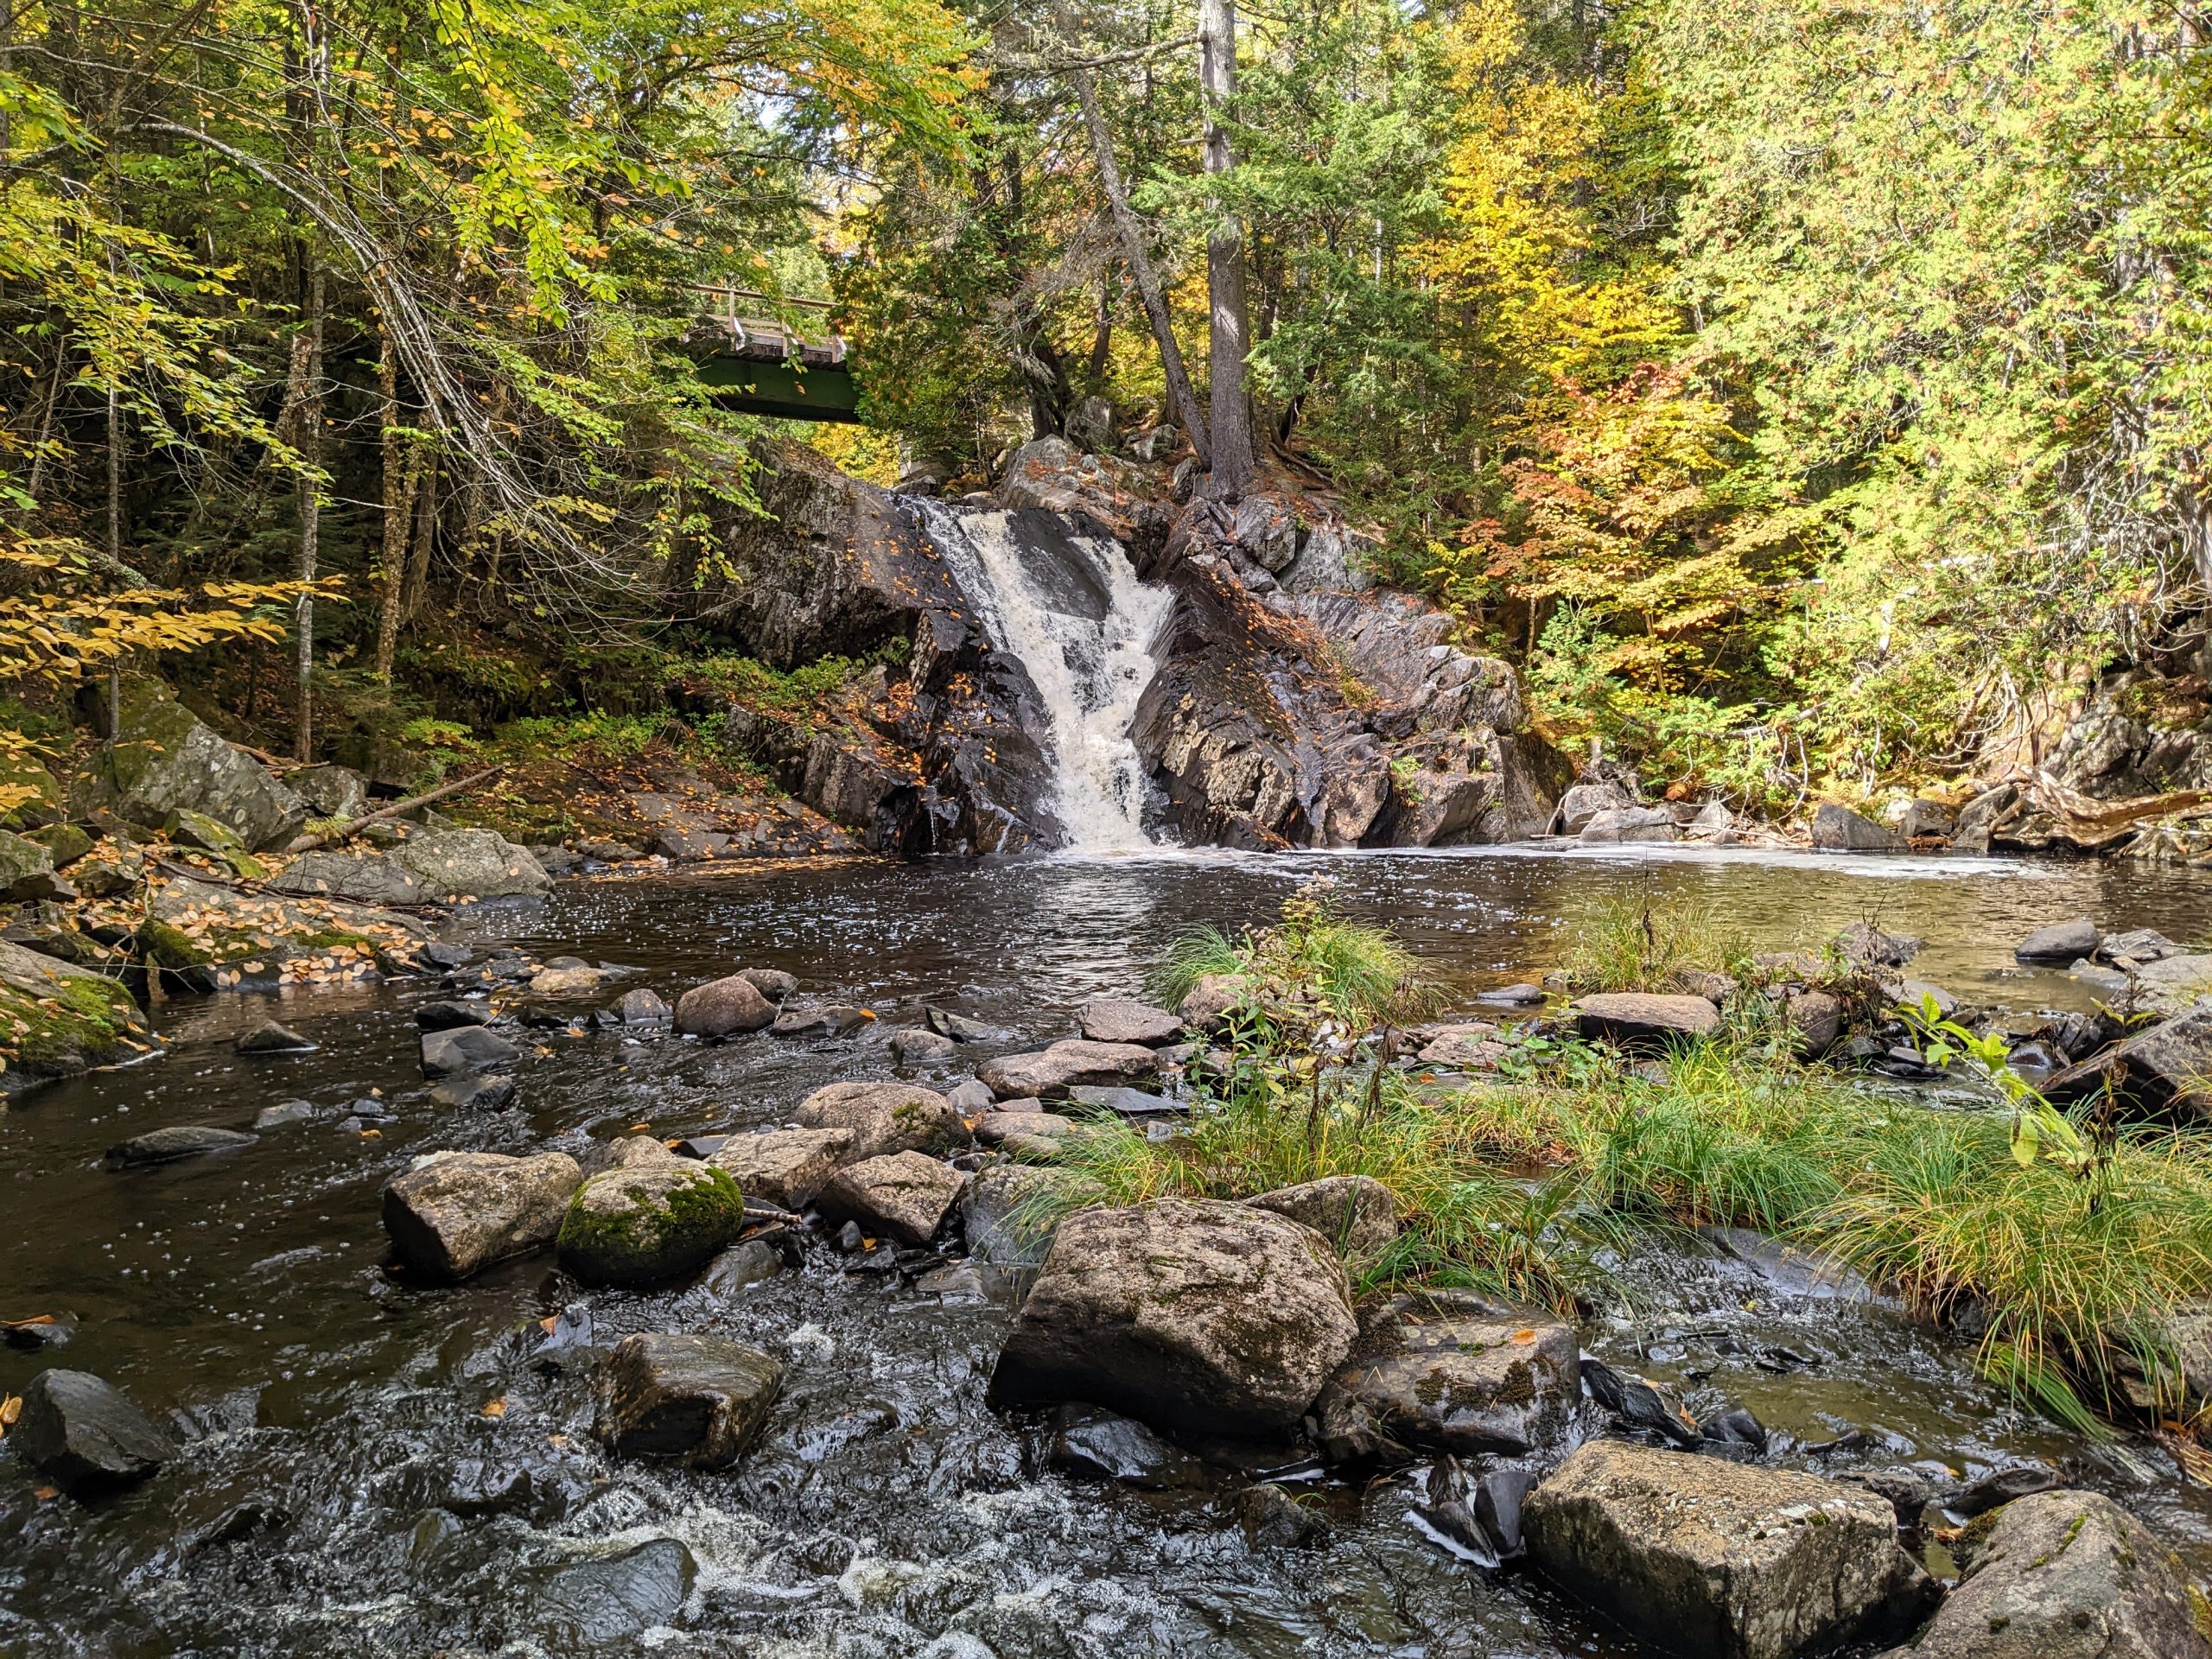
{"type": "Point", "coordinates": [1359, 974]}
{"type": "Point", "coordinates": [1630, 945]}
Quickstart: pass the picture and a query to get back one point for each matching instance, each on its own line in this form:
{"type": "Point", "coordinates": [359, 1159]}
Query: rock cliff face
{"type": "Point", "coordinates": [1292, 706]}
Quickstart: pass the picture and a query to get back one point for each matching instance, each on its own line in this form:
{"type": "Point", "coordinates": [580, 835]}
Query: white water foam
{"type": "Point", "coordinates": [1089, 670]}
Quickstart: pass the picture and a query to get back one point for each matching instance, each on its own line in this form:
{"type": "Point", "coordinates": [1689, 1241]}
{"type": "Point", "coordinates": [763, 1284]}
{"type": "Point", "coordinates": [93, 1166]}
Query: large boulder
{"type": "Point", "coordinates": [701, 1399]}
{"type": "Point", "coordinates": [456, 1213]}
{"type": "Point", "coordinates": [2065, 1575]}
{"type": "Point", "coordinates": [1450, 1374]}
{"type": "Point", "coordinates": [85, 1434]}
{"type": "Point", "coordinates": [1354, 1213]}
{"type": "Point", "coordinates": [785, 1167]}
{"type": "Point", "coordinates": [724, 1007]}
{"type": "Point", "coordinates": [57, 1018]}
{"type": "Point", "coordinates": [362, 879]}
{"type": "Point", "coordinates": [1121, 1020]}
{"type": "Point", "coordinates": [1584, 802]}
{"type": "Point", "coordinates": [2060, 944]}
{"type": "Point", "coordinates": [1718, 1558]}
{"type": "Point", "coordinates": [885, 1117]}
{"type": "Point", "coordinates": [2166, 1069]}
{"type": "Point", "coordinates": [650, 1220]}
{"type": "Point", "coordinates": [164, 760]}
{"type": "Point", "coordinates": [1839, 829]}
{"type": "Point", "coordinates": [1049, 1074]}
{"type": "Point", "coordinates": [1642, 1018]}
{"type": "Point", "coordinates": [457, 865]}
{"type": "Point", "coordinates": [906, 1196]}
{"type": "Point", "coordinates": [1629, 824]}
{"type": "Point", "coordinates": [26, 868]}
{"type": "Point", "coordinates": [1196, 1315]}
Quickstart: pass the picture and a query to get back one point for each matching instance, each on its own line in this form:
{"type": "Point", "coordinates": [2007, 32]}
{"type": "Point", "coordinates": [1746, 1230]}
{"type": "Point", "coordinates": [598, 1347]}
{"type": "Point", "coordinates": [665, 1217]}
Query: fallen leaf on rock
{"type": "Point", "coordinates": [46, 1494]}
{"type": "Point", "coordinates": [495, 1407]}
{"type": "Point", "coordinates": [11, 1406]}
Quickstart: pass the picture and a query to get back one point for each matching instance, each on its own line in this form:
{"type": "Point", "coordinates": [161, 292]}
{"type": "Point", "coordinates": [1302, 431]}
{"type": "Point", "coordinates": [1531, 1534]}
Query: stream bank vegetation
{"type": "Point", "coordinates": [2063, 1245]}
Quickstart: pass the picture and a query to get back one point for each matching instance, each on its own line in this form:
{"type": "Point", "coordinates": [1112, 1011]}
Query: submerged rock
{"type": "Point", "coordinates": [596, 1602]}
{"type": "Point", "coordinates": [466, 1048]}
{"type": "Point", "coordinates": [1121, 1019]}
{"type": "Point", "coordinates": [1053, 1071]}
{"type": "Point", "coordinates": [906, 1196]}
{"type": "Point", "coordinates": [650, 1220]}
{"type": "Point", "coordinates": [884, 1118]}
{"type": "Point", "coordinates": [1442, 1373]}
{"type": "Point", "coordinates": [453, 1014]}
{"type": "Point", "coordinates": [723, 1008]}
{"type": "Point", "coordinates": [176, 1142]}
{"type": "Point", "coordinates": [1354, 1213]}
{"type": "Point", "coordinates": [919, 1045]}
{"type": "Point", "coordinates": [698, 1398]}
{"type": "Point", "coordinates": [1714, 1557]}
{"type": "Point", "coordinates": [85, 1434]}
{"type": "Point", "coordinates": [1097, 1445]}
{"type": "Point", "coordinates": [476, 1091]}
{"type": "Point", "coordinates": [456, 1213]}
{"type": "Point", "coordinates": [2065, 1575]}
{"type": "Point", "coordinates": [1202, 1316]}
{"type": "Point", "coordinates": [1634, 1017]}
{"type": "Point", "coordinates": [997, 1212]}
{"type": "Point", "coordinates": [269, 1038]}
{"type": "Point", "coordinates": [785, 1167]}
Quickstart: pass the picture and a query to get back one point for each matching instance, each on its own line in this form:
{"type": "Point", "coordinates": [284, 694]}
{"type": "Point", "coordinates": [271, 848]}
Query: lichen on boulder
{"type": "Point", "coordinates": [649, 1221]}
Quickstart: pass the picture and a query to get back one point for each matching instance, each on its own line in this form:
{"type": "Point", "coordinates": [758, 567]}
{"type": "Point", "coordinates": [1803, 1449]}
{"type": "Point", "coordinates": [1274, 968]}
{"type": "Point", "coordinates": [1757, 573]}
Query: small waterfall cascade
{"type": "Point", "coordinates": [1069, 605]}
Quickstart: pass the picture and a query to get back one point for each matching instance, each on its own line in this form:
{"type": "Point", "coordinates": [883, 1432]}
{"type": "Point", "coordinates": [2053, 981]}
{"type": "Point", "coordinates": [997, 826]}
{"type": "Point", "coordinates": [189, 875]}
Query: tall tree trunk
{"type": "Point", "coordinates": [402, 475]}
{"type": "Point", "coordinates": [307, 411]}
{"type": "Point", "coordinates": [1233, 462]}
{"type": "Point", "coordinates": [426, 529]}
{"type": "Point", "coordinates": [1182, 402]}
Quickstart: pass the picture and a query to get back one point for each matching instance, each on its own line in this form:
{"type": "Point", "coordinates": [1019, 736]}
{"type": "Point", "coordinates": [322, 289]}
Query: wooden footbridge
{"type": "Point", "coordinates": [763, 366]}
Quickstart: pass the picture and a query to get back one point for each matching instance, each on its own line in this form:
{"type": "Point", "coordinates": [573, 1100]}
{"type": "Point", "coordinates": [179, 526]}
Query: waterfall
{"type": "Point", "coordinates": [1068, 604]}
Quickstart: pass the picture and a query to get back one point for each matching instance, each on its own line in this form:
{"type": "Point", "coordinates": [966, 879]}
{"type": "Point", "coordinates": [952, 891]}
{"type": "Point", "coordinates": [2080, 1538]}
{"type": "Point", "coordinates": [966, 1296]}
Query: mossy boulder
{"type": "Point", "coordinates": [21, 772]}
{"type": "Point", "coordinates": [165, 761]}
{"type": "Point", "coordinates": [26, 868]}
{"type": "Point", "coordinates": [67, 843]}
{"type": "Point", "coordinates": [57, 1019]}
{"type": "Point", "coordinates": [649, 1221]}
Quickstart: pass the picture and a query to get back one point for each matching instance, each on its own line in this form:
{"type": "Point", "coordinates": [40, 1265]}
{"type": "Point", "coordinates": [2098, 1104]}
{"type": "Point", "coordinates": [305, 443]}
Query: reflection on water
{"type": "Point", "coordinates": [346, 1490]}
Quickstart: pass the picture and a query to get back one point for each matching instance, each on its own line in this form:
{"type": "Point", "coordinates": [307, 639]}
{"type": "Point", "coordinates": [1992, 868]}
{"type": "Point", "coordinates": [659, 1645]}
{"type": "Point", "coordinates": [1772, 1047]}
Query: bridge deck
{"type": "Point", "coordinates": [763, 366]}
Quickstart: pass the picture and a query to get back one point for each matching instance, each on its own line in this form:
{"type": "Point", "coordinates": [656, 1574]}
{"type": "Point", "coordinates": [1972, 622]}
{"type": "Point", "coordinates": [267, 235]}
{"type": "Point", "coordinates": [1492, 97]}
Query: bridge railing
{"type": "Point", "coordinates": [762, 338]}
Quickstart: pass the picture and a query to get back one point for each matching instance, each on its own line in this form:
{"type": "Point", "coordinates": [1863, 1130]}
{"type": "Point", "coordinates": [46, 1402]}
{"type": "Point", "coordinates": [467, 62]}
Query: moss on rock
{"type": "Point", "coordinates": [646, 1224]}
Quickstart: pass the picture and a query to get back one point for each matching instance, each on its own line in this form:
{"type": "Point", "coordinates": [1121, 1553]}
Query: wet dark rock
{"type": "Point", "coordinates": [785, 1167]}
{"type": "Point", "coordinates": [643, 1010]}
{"type": "Point", "coordinates": [1121, 1019]}
{"type": "Point", "coordinates": [701, 1146]}
{"type": "Point", "coordinates": [1099, 1444]}
{"type": "Point", "coordinates": [1714, 1557]}
{"type": "Point", "coordinates": [2137, 946]}
{"type": "Point", "coordinates": [741, 1265]}
{"type": "Point", "coordinates": [650, 1220]}
{"type": "Point", "coordinates": [1202, 1316]}
{"type": "Point", "coordinates": [2162, 1070]}
{"type": "Point", "coordinates": [595, 1603]}
{"type": "Point", "coordinates": [996, 1218]}
{"type": "Point", "coordinates": [40, 1330]}
{"type": "Point", "coordinates": [1732, 1427]}
{"type": "Point", "coordinates": [771, 982]}
{"type": "Point", "coordinates": [959, 1026]}
{"type": "Point", "coordinates": [478, 1091]}
{"type": "Point", "coordinates": [1637, 1403]}
{"type": "Point", "coordinates": [466, 1049]}
{"type": "Point", "coordinates": [1839, 829]}
{"type": "Point", "coordinates": [885, 1118]}
{"type": "Point", "coordinates": [698, 1399]}
{"type": "Point", "coordinates": [1049, 1074]}
{"type": "Point", "coordinates": [906, 1196]}
{"type": "Point", "coordinates": [849, 1238]}
{"type": "Point", "coordinates": [918, 1045]}
{"type": "Point", "coordinates": [1123, 1103]}
{"type": "Point", "coordinates": [1634, 1017]}
{"type": "Point", "coordinates": [1354, 1213]}
{"type": "Point", "coordinates": [2065, 1575]}
{"type": "Point", "coordinates": [833, 1020]}
{"type": "Point", "coordinates": [169, 1145]}
{"type": "Point", "coordinates": [1445, 1373]}
{"type": "Point", "coordinates": [1865, 945]}
{"type": "Point", "coordinates": [724, 1007]}
{"type": "Point", "coordinates": [284, 1112]}
{"type": "Point", "coordinates": [1999, 1487]}
{"type": "Point", "coordinates": [1501, 1495]}
{"type": "Point", "coordinates": [456, 1213]}
{"type": "Point", "coordinates": [453, 1015]}
{"type": "Point", "coordinates": [269, 1038]}
{"type": "Point", "coordinates": [1274, 1517]}
{"type": "Point", "coordinates": [2060, 944]}
{"type": "Point", "coordinates": [86, 1434]}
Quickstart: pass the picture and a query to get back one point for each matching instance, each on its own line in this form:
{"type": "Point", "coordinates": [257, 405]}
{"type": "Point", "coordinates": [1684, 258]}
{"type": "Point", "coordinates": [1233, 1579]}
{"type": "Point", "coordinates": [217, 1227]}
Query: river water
{"type": "Point", "coordinates": [376, 1469]}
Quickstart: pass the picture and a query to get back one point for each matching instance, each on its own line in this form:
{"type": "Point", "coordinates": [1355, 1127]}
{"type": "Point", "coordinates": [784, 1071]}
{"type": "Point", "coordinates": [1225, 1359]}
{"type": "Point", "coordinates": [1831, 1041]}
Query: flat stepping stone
{"type": "Point", "coordinates": [1129, 1102]}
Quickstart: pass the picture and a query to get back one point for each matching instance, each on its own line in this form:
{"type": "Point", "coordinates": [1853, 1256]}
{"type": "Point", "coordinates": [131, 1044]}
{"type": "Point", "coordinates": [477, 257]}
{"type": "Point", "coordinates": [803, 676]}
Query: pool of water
{"type": "Point", "coordinates": [378, 1469]}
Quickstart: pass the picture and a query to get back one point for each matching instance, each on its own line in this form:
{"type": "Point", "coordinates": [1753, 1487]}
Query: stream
{"type": "Point", "coordinates": [374, 1469]}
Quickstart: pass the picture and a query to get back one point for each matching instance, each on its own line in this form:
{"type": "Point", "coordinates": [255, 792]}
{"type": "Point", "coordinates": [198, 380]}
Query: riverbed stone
{"type": "Point", "coordinates": [785, 1167]}
{"type": "Point", "coordinates": [1584, 802]}
{"type": "Point", "coordinates": [650, 1221]}
{"type": "Point", "coordinates": [771, 982]}
{"type": "Point", "coordinates": [1463, 1047]}
{"type": "Point", "coordinates": [2060, 944]}
{"type": "Point", "coordinates": [999, 1212]}
{"type": "Point", "coordinates": [1354, 1213]}
{"type": "Point", "coordinates": [466, 1048]}
{"type": "Point", "coordinates": [459, 865]}
{"type": "Point", "coordinates": [2065, 1575]}
{"type": "Point", "coordinates": [1714, 1557]}
{"type": "Point", "coordinates": [695, 1398]}
{"type": "Point", "coordinates": [456, 1213]}
{"type": "Point", "coordinates": [919, 1045]}
{"type": "Point", "coordinates": [1816, 1020]}
{"type": "Point", "coordinates": [1096, 1444]}
{"type": "Point", "coordinates": [454, 1014]}
{"type": "Point", "coordinates": [567, 979]}
{"type": "Point", "coordinates": [640, 1009]}
{"type": "Point", "coordinates": [593, 1603]}
{"type": "Point", "coordinates": [474, 1091]}
{"type": "Point", "coordinates": [1123, 1020]}
{"type": "Point", "coordinates": [906, 1196]}
{"type": "Point", "coordinates": [1448, 1373]}
{"type": "Point", "coordinates": [996, 1126]}
{"type": "Point", "coordinates": [885, 1118]}
{"type": "Point", "coordinates": [1049, 1074]}
{"type": "Point", "coordinates": [174, 1144]}
{"type": "Point", "coordinates": [1865, 945]}
{"type": "Point", "coordinates": [1208, 1002]}
{"type": "Point", "coordinates": [831, 1019]}
{"type": "Point", "coordinates": [723, 1008]}
{"type": "Point", "coordinates": [1195, 1315]}
{"type": "Point", "coordinates": [86, 1434]}
{"type": "Point", "coordinates": [1642, 1017]}
{"type": "Point", "coordinates": [271, 1038]}
{"type": "Point", "coordinates": [1837, 828]}
{"type": "Point", "coordinates": [2166, 1069]}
